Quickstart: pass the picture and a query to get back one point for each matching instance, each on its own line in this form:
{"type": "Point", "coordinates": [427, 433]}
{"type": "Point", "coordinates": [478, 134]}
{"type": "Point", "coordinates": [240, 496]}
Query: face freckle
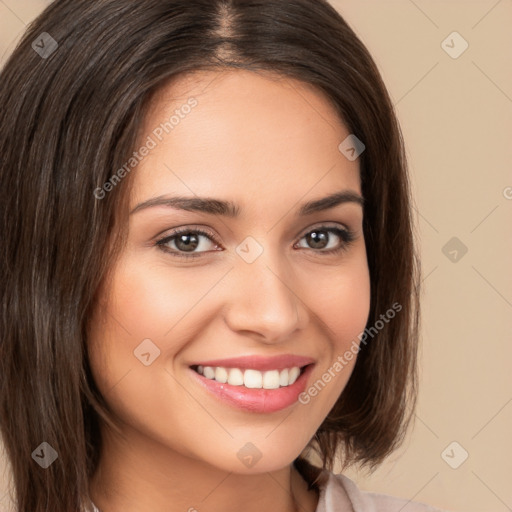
{"type": "Point", "coordinates": [261, 286]}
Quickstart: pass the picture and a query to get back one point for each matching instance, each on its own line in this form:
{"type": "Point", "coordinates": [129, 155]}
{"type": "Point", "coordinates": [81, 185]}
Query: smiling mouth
{"type": "Point", "coordinates": [251, 378]}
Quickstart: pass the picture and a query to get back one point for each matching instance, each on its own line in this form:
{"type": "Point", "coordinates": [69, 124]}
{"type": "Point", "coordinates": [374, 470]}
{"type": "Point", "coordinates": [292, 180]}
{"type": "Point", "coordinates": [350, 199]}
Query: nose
{"type": "Point", "coordinates": [263, 301]}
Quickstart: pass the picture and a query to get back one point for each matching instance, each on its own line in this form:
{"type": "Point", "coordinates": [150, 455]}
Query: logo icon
{"type": "Point", "coordinates": [454, 250]}
{"type": "Point", "coordinates": [249, 455]}
{"type": "Point", "coordinates": [351, 147]}
{"type": "Point", "coordinates": [44, 45]}
{"type": "Point", "coordinates": [45, 455]}
{"type": "Point", "coordinates": [249, 250]}
{"type": "Point", "coordinates": [146, 352]}
{"type": "Point", "coordinates": [454, 455]}
{"type": "Point", "coordinates": [454, 45]}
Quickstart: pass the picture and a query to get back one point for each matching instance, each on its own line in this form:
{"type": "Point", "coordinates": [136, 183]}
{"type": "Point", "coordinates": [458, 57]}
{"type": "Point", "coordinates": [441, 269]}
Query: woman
{"type": "Point", "coordinates": [208, 270]}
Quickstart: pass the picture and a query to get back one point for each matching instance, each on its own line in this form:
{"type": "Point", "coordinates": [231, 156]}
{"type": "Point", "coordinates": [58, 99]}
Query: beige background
{"type": "Point", "coordinates": [456, 115]}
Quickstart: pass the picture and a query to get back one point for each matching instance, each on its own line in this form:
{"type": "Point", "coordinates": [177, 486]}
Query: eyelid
{"type": "Point", "coordinates": [188, 229]}
{"type": "Point", "coordinates": [327, 224]}
{"type": "Point", "coordinates": [349, 237]}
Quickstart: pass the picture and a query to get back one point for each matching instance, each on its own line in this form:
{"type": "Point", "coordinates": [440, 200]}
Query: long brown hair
{"type": "Point", "coordinates": [72, 95]}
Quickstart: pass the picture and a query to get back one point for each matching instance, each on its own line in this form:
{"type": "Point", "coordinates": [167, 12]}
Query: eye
{"type": "Point", "coordinates": [322, 240]}
{"type": "Point", "coordinates": [183, 242]}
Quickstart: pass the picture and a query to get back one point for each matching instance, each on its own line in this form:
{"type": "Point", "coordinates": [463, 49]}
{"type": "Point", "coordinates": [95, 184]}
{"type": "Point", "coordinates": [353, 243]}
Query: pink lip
{"type": "Point", "coordinates": [260, 363]}
{"type": "Point", "coordinates": [255, 400]}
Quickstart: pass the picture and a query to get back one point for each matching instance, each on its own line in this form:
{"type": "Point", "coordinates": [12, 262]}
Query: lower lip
{"type": "Point", "coordinates": [256, 400]}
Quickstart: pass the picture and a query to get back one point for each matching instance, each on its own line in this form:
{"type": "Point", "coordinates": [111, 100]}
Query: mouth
{"type": "Point", "coordinates": [251, 378]}
{"type": "Point", "coordinates": [261, 390]}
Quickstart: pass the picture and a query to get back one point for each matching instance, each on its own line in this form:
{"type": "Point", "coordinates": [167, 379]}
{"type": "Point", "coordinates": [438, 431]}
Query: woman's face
{"type": "Point", "coordinates": [271, 282]}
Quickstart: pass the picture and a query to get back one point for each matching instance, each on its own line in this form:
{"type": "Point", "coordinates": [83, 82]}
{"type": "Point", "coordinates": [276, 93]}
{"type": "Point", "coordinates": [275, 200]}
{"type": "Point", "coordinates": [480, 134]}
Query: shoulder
{"type": "Point", "coordinates": [337, 491]}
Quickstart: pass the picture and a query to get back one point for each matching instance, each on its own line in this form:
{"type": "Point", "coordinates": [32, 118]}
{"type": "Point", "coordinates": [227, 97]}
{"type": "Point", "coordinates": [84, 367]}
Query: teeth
{"type": "Point", "coordinates": [293, 374]}
{"type": "Point", "coordinates": [221, 375]}
{"type": "Point", "coordinates": [235, 377]}
{"type": "Point", "coordinates": [271, 379]}
{"type": "Point", "coordinates": [209, 372]}
{"type": "Point", "coordinates": [253, 379]}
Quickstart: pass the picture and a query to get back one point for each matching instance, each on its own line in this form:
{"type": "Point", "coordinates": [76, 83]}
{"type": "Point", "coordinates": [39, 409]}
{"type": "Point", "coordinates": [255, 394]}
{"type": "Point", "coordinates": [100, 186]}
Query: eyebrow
{"type": "Point", "coordinates": [214, 206]}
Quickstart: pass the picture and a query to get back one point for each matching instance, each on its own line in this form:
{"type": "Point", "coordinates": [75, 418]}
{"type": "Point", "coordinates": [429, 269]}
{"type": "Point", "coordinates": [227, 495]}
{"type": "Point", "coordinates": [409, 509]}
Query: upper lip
{"type": "Point", "coordinates": [257, 362]}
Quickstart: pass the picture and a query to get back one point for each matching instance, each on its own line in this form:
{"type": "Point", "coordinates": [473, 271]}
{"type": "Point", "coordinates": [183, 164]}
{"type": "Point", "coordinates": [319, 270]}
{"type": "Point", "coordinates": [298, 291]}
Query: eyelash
{"type": "Point", "coordinates": [347, 236]}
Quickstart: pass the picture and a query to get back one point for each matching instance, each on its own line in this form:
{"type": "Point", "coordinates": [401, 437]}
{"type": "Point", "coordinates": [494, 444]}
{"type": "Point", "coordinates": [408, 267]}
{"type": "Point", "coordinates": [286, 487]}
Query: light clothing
{"type": "Point", "coordinates": [338, 493]}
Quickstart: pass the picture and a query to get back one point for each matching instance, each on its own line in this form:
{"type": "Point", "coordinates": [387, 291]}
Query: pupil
{"type": "Point", "coordinates": [185, 239]}
{"type": "Point", "coordinates": [318, 239]}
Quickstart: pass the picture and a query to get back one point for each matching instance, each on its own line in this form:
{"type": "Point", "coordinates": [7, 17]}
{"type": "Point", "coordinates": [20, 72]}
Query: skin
{"type": "Point", "coordinates": [269, 145]}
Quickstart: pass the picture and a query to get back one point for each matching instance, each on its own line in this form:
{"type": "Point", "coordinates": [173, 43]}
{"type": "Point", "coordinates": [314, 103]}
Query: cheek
{"type": "Point", "coordinates": [341, 299]}
{"type": "Point", "coordinates": [343, 309]}
{"type": "Point", "coordinates": [347, 307]}
{"type": "Point", "coordinates": [146, 301]}
{"type": "Point", "coordinates": [150, 301]}
{"type": "Point", "coordinates": [142, 304]}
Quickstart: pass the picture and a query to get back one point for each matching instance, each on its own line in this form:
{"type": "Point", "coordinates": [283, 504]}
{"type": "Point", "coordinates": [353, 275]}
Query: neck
{"type": "Point", "coordinates": [142, 474]}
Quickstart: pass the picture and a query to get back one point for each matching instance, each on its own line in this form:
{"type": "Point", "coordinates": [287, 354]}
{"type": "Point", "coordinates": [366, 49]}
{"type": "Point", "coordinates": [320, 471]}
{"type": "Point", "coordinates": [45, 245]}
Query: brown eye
{"type": "Point", "coordinates": [320, 238]}
{"type": "Point", "coordinates": [187, 241]}
{"type": "Point", "coordinates": [184, 242]}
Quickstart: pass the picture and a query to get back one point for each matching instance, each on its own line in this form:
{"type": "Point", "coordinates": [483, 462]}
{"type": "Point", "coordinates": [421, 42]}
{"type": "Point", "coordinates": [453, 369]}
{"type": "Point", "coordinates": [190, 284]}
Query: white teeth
{"type": "Point", "coordinates": [209, 372]}
{"type": "Point", "coordinates": [293, 374]}
{"type": "Point", "coordinates": [253, 379]}
{"type": "Point", "coordinates": [221, 375]}
{"type": "Point", "coordinates": [235, 377]}
{"type": "Point", "coordinates": [271, 379]}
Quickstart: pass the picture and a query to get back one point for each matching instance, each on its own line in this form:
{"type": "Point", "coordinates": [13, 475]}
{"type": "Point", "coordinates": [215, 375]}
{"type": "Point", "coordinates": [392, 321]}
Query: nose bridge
{"type": "Point", "coordinates": [263, 299]}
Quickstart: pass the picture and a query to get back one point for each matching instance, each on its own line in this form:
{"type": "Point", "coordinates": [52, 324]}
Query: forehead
{"type": "Point", "coordinates": [242, 135]}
